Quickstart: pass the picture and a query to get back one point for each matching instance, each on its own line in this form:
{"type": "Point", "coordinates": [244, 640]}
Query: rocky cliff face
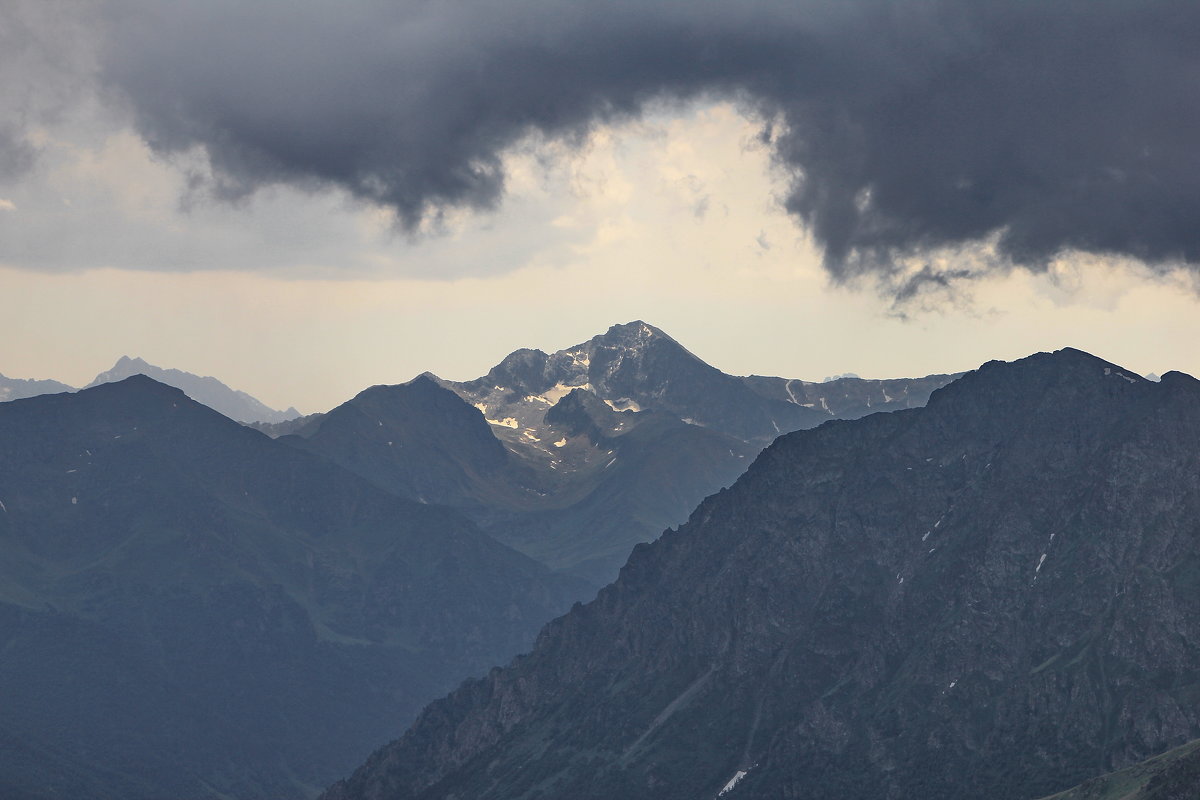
{"type": "Point", "coordinates": [996, 596]}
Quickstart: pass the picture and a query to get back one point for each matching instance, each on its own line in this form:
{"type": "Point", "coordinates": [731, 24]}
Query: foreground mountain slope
{"type": "Point", "coordinates": [235, 404]}
{"type": "Point", "coordinates": [993, 596]}
{"type": "Point", "coordinates": [189, 609]}
{"type": "Point", "coordinates": [1174, 775]}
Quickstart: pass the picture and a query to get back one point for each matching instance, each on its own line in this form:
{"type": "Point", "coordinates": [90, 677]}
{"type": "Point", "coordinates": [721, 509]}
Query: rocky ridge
{"type": "Point", "coordinates": [995, 595]}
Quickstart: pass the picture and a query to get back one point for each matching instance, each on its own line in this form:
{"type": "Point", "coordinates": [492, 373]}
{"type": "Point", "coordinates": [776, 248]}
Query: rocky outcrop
{"type": "Point", "coordinates": [993, 596]}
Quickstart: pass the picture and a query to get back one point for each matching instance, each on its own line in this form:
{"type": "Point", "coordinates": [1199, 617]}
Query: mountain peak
{"type": "Point", "coordinates": [1069, 374]}
{"type": "Point", "coordinates": [637, 328]}
{"type": "Point", "coordinates": [207, 390]}
{"type": "Point", "coordinates": [128, 362]}
{"type": "Point", "coordinates": [634, 336]}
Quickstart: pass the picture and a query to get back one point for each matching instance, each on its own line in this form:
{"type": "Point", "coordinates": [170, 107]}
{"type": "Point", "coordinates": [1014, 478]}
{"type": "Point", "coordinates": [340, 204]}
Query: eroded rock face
{"type": "Point", "coordinates": [995, 596]}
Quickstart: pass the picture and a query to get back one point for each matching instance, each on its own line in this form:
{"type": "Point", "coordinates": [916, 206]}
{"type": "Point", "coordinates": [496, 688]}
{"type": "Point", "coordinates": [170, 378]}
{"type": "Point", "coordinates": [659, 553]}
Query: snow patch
{"type": "Point", "coordinates": [788, 386]}
{"type": "Point", "coordinates": [560, 443]}
{"type": "Point", "coordinates": [482, 407]}
{"type": "Point", "coordinates": [737, 776]}
{"type": "Point", "coordinates": [3, 507]}
{"type": "Point", "coordinates": [528, 434]}
{"type": "Point", "coordinates": [74, 501]}
{"type": "Point", "coordinates": [507, 422]}
{"type": "Point", "coordinates": [1041, 561]}
{"type": "Point", "coordinates": [557, 392]}
{"type": "Point", "coordinates": [1119, 374]}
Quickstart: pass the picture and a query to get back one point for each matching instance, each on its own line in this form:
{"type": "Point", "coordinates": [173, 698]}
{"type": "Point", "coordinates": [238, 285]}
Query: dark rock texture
{"type": "Point", "coordinates": [1174, 775]}
{"type": "Point", "coordinates": [995, 596]}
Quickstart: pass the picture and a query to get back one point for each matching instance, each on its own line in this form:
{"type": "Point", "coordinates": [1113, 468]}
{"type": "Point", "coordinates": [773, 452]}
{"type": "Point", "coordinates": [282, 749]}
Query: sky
{"type": "Point", "coordinates": [305, 198]}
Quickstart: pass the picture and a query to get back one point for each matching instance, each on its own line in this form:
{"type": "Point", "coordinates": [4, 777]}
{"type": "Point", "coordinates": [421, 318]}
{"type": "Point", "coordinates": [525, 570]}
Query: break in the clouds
{"type": "Point", "coordinates": [904, 128]}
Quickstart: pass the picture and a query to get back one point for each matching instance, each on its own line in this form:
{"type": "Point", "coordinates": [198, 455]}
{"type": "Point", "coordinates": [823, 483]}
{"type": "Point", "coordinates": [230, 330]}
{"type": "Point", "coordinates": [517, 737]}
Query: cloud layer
{"type": "Point", "coordinates": [904, 127]}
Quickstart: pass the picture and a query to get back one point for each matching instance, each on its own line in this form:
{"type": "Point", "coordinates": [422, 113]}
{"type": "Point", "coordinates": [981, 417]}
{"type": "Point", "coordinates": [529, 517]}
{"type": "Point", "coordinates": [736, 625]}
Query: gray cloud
{"type": "Point", "coordinates": [905, 127]}
{"type": "Point", "coordinates": [16, 155]}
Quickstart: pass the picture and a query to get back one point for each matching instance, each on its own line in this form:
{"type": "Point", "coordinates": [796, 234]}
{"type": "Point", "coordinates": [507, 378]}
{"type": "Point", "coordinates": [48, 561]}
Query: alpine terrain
{"type": "Point", "coordinates": [996, 595]}
{"type": "Point", "coordinates": [189, 609]}
{"type": "Point", "coordinates": [576, 456]}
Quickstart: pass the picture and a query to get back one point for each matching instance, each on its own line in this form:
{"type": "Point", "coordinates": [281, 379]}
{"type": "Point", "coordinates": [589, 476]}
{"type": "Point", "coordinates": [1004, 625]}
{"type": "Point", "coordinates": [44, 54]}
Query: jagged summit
{"type": "Point", "coordinates": [634, 336]}
{"type": "Point", "coordinates": [633, 366]}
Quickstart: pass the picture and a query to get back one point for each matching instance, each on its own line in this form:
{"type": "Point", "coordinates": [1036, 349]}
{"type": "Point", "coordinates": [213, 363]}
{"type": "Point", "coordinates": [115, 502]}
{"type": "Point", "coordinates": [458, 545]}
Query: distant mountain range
{"type": "Point", "coordinates": [211, 392]}
{"type": "Point", "coordinates": [236, 405]}
{"type": "Point", "coordinates": [995, 596]}
{"type": "Point", "coordinates": [189, 609]}
{"type": "Point", "coordinates": [576, 456]}
{"type": "Point", "coordinates": [18, 388]}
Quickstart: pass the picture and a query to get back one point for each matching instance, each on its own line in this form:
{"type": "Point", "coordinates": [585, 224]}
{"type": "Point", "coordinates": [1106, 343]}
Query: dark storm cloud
{"type": "Point", "coordinates": [1065, 125]}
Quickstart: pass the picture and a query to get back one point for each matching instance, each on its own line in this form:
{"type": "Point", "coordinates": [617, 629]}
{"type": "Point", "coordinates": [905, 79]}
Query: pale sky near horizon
{"type": "Point", "coordinates": [304, 290]}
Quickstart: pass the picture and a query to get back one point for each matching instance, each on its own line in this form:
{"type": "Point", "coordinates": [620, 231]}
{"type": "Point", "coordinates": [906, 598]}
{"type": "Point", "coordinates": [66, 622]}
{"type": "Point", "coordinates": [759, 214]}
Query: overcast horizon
{"type": "Point", "coordinates": [303, 200]}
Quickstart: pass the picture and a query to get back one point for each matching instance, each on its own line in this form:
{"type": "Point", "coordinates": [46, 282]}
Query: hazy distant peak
{"type": "Point", "coordinates": [18, 388]}
{"type": "Point", "coordinates": [124, 368]}
{"type": "Point", "coordinates": [125, 362]}
{"type": "Point", "coordinates": [211, 392]}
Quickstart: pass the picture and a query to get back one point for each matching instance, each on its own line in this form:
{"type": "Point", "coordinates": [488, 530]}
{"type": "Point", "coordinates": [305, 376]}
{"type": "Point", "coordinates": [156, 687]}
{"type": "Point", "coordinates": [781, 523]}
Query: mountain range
{"type": "Point", "coordinates": [18, 388]}
{"type": "Point", "coordinates": [990, 592]}
{"type": "Point", "coordinates": [574, 457]}
{"type": "Point", "coordinates": [191, 609]}
{"type": "Point", "coordinates": [236, 405]}
{"type": "Point", "coordinates": [996, 595]}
